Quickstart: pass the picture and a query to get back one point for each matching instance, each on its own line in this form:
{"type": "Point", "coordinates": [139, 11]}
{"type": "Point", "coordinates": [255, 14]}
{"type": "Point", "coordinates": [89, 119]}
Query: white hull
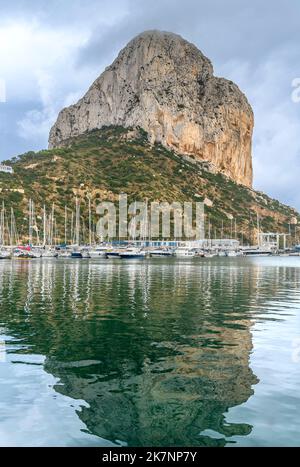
{"type": "Point", "coordinates": [160, 253]}
{"type": "Point", "coordinates": [184, 253]}
{"type": "Point", "coordinates": [132, 253]}
{"type": "Point", "coordinates": [97, 253]}
{"type": "Point", "coordinates": [5, 254]}
{"type": "Point", "coordinates": [49, 254]}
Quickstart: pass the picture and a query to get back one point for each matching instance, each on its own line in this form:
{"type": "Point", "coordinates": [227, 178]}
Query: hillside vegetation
{"type": "Point", "coordinates": [103, 163]}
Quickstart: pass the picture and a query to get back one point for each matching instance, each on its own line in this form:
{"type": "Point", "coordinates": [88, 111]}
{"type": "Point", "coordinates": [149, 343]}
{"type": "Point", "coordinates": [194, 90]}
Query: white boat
{"type": "Point", "coordinates": [161, 252]}
{"type": "Point", "coordinates": [257, 252]}
{"type": "Point", "coordinates": [199, 253]}
{"type": "Point", "coordinates": [132, 253]}
{"type": "Point", "coordinates": [183, 252]}
{"type": "Point", "coordinates": [5, 254]}
{"type": "Point", "coordinates": [80, 253]}
{"type": "Point", "coordinates": [209, 254]}
{"type": "Point", "coordinates": [85, 253]}
{"type": "Point", "coordinates": [231, 253]}
{"type": "Point", "coordinates": [49, 253]}
{"type": "Point", "coordinates": [64, 253]}
{"type": "Point", "coordinates": [113, 254]}
{"type": "Point", "coordinates": [98, 252]}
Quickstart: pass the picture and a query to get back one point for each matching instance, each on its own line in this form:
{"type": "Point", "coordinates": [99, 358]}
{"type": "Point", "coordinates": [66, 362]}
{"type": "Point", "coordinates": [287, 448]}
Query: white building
{"type": "Point", "coordinates": [214, 244]}
{"type": "Point", "coordinates": [6, 169]}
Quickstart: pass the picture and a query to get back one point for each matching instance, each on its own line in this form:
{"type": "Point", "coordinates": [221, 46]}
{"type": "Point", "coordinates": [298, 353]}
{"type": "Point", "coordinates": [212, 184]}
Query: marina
{"type": "Point", "coordinates": [80, 241]}
{"type": "Point", "coordinates": [134, 251]}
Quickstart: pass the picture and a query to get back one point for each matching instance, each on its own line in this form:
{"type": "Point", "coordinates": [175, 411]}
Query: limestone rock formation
{"type": "Point", "coordinates": [165, 85]}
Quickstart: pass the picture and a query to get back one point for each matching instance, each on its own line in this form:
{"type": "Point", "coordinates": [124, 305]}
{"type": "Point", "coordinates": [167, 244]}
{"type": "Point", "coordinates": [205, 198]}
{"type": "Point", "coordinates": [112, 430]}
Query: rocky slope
{"type": "Point", "coordinates": [106, 162]}
{"type": "Point", "coordinates": [165, 85]}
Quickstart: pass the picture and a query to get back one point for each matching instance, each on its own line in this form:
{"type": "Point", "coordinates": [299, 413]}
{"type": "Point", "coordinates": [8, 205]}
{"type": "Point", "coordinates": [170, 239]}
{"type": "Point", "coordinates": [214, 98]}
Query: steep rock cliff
{"type": "Point", "coordinates": [165, 85]}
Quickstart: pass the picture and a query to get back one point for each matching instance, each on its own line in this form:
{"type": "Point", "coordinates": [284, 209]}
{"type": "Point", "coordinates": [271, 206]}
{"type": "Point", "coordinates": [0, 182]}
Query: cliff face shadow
{"type": "Point", "coordinates": [159, 351]}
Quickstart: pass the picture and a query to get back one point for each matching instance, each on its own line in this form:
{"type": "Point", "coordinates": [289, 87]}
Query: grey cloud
{"type": "Point", "coordinates": [10, 142]}
{"type": "Point", "coordinates": [224, 30]}
{"type": "Point", "coordinates": [253, 43]}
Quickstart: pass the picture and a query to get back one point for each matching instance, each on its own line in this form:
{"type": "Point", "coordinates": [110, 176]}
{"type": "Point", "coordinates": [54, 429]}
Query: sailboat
{"type": "Point", "coordinates": [4, 252]}
{"type": "Point", "coordinates": [133, 252]}
{"type": "Point", "coordinates": [78, 252]}
{"type": "Point", "coordinates": [47, 250]}
{"type": "Point", "coordinates": [25, 252]}
{"type": "Point", "coordinates": [258, 250]}
{"type": "Point", "coordinates": [30, 251]}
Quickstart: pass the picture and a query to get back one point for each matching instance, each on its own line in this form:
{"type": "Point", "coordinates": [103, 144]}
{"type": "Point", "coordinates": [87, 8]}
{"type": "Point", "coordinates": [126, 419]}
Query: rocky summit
{"type": "Point", "coordinates": [166, 86]}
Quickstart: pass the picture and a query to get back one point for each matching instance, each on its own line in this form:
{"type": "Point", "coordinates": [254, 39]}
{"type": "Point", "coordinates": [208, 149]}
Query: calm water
{"type": "Point", "coordinates": [162, 352]}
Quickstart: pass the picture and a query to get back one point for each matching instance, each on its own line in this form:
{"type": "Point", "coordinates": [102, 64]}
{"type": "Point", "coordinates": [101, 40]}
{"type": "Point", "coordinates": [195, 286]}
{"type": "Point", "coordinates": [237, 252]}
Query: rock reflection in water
{"type": "Point", "coordinates": [159, 350]}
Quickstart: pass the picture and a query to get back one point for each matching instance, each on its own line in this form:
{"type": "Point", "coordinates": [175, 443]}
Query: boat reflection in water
{"type": "Point", "coordinates": [159, 351]}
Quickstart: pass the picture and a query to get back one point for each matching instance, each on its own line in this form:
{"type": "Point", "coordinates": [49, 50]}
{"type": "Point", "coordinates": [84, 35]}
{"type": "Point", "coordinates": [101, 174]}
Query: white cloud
{"type": "Point", "coordinates": [276, 144]}
{"type": "Point", "coordinates": [38, 64]}
{"type": "Point", "coordinates": [27, 47]}
{"type": "Point", "coordinates": [35, 124]}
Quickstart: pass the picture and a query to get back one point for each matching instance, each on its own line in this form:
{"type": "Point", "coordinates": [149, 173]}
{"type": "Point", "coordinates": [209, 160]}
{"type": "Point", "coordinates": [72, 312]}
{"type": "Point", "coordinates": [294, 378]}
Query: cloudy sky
{"type": "Point", "coordinates": [51, 51]}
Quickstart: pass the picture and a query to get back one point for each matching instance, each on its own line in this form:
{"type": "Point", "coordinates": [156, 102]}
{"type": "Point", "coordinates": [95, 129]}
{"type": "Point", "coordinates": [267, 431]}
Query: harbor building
{"type": "Point", "coordinates": [6, 169]}
{"type": "Point", "coordinates": [204, 244]}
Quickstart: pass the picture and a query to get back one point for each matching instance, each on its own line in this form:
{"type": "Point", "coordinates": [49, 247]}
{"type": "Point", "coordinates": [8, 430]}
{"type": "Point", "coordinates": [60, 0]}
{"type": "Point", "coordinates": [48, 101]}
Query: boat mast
{"type": "Point", "coordinates": [15, 228]}
{"type": "Point", "coordinates": [72, 228]}
{"type": "Point", "coordinates": [90, 223]}
{"type": "Point", "coordinates": [55, 232]}
{"type": "Point", "coordinates": [145, 226]}
{"type": "Point", "coordinates": [66, 214]}
{"type": "Point", "coordinates": [11, 226]}
{"type": "Point", "coordinates": [30, 223]}
{"type": "Point", "coordinates": [77, 223]}
{"type": "Point", "coordinates": [45, 225]}
{"type": "Point", "coordinates": [258, 230]}
{"type": "Point", "coordinates": [2, 227]}
{"type": "Point", "coordinates": [7, 228]}
{"type": "Point", "coordinates": [1, 230]}
{"type": "Point", "coordinates": [52, 226]}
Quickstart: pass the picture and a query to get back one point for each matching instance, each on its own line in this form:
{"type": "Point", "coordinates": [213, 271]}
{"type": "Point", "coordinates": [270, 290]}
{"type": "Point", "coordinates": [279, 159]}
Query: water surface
{"type": "Point", "coordinates": [162, 352]}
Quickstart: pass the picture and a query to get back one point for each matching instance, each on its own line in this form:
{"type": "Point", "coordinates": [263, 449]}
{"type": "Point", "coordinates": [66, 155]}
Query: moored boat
{"type": "Point", "coordinates": [26, 252]}
{"type": "Point", "coordinates": [257, 252]}
{"type": "Point", "coordinates": [160, 252]}
{"type": "Point", "coordinates": [183, 252]}
{"type": "Point", "coordinates": [49, 253]}
{"type": "Point", "coordinates": [98, 252]}
{"type": "Point", "coordinates": [132, 253]}
{"type": "Point", "coordinates": [113, 254]}
{"type": "Point", "coordinates": [5, 254]}
{"type": "Point", "coordinates": [232, 253]}
{"type": "Point", "coordinates": [80, 253]}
